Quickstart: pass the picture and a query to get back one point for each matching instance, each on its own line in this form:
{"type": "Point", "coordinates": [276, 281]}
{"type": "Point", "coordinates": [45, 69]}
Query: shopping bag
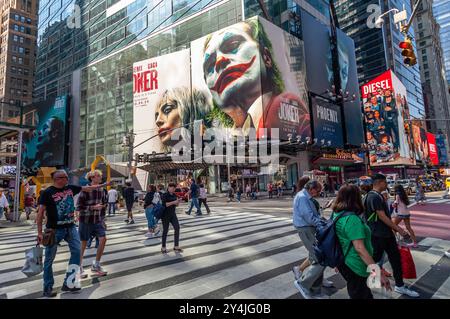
{"type": "Point", "coordinates": [408, 266]}
{"type": "Point", "coordinates": [33, 261]}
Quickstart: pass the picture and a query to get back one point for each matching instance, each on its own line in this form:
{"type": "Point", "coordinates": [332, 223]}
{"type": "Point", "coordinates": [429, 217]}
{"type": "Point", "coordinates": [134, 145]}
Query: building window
{"type": "Point", "coordinates": [420, 25]}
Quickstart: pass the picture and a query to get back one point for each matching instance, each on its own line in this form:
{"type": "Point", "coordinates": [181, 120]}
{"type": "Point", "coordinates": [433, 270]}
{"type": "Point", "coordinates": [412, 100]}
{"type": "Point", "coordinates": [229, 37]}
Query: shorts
{"type": "Point", "coordinates": [402, 216]}
{"type": "Point", "coordinates": [129, 206]}
{"type": "Point", "coordinates": [87, 231]}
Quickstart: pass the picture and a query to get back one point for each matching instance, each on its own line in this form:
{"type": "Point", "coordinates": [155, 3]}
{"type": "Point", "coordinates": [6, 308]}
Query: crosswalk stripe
{"type": "Point", "coordinates": [227, 255]}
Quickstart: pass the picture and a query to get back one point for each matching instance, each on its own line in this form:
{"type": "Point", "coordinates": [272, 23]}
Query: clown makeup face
{"type": "Point", "coordinates": [343, 65]}
{"type": "Point", "coordinates": [231, 65]}
{"type": "Point", "coordinates": [167, 117]}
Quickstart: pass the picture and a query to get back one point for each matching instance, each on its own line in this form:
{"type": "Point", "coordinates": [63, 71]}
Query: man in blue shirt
{"type": "Point", "coordinates": [194, 192]}
{"type": "Point", "coordinates": [306, 218]}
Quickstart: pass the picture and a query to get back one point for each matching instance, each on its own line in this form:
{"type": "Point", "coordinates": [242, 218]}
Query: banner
{"type": "Point", "coordinates": [385, 111]}
{"type": "Point", "coordinates": [327, 123]}
{"type": "Point", "coordinates": [432, 149]}
{"type": "Point", "coordinates": [442, 149]}
{"type": "Point", "coordinates": [46, 146]}
{"type": "Point", "coordinates": [162, 101]}
{"type": "Point", "coordinates": [254, 74]}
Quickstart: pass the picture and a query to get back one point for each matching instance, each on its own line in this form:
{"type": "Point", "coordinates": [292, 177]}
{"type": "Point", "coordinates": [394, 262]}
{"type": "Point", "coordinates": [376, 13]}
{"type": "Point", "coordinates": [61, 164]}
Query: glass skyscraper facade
{"type": "Point", "coordinates": [87, 48]}
{"type": "Point", "coordinates": [377, 48]}
{"type": "Point", "coordinates": [441, 10]}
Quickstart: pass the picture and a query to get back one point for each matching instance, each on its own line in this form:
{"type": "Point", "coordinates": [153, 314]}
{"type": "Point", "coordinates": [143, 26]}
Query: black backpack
{"type": "Point", "coordinates": [327, 248]}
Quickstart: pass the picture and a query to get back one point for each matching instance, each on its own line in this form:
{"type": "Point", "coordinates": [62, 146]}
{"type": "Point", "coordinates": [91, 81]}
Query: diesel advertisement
{"type": "Point", "coordinates": [385, 108]}
{"type": "Point", "coordinates": [46, 145]}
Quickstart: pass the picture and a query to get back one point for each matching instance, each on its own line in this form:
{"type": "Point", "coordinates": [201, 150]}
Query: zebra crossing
{"type": "Point", "coordinates": [227, 255]}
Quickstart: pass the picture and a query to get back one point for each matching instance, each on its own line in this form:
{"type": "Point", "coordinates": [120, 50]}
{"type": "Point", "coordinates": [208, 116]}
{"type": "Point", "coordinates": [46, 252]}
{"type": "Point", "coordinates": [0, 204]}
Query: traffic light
{"type": "Point", "coordinates": [408, 52]}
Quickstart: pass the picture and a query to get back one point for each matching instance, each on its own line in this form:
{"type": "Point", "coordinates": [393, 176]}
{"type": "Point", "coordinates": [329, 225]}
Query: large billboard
{"type": "Point", "coordinates": [46, 146]}
{"type": "Point", "coordinates": [420, 146]}
{"type": "Point", "coordinates": [163, 101]}
{"type": "Point", "coordinates": [327, 123]}
{"type": "Point", "coordinates": [432, 149]}
{"type": "Point", "coordinates": [254, 74]}
{"type": "Point", "coordinates": [319, 66]}
{"type": "Point", "coordinates": [442, 149]}
{"type": "Point", "coordinates": [385, 112]}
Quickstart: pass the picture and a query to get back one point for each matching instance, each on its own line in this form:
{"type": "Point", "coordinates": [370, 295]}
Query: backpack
{"type": "Point", "coordinates": [327, 248]}
{"type": "Point", "coordinates": [158, 211]}
{"type": "Point", "coordinates": [373, 217]}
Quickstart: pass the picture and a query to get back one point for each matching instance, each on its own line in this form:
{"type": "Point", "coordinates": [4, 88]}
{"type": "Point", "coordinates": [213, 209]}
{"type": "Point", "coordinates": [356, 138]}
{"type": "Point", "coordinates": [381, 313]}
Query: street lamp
{"type": "Point", "coordinates": [380, 21]}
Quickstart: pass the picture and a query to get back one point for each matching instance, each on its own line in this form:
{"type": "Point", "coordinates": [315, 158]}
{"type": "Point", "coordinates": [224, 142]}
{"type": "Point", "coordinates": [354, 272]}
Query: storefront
{"type": "Point", "coordinates": [334, 165]}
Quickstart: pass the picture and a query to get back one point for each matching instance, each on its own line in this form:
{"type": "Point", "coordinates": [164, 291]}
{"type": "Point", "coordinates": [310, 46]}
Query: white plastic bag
{"type": "Point", "coordinates": [33, 261]}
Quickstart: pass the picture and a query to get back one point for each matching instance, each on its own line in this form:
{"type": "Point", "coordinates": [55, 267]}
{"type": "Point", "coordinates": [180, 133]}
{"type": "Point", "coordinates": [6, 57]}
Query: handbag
{"type": "Point", "coordinates": [158, 211]}
{"type": "Point", "coordinates": [33, 261]}
{"type": "Point", "coordinates": [407, 261]}
{"type": "Point", "coordinates": [48, 239]}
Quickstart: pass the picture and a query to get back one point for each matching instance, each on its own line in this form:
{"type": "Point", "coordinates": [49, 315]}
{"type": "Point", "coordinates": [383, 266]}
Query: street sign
{"type": "Point", "coordinates": [400, 17]}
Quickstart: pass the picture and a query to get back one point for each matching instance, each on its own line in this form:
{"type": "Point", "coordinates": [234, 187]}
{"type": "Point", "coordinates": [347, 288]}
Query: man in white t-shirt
{"type": "Point", "coordinates": [3, 203]}
{"type": "Point", "coordinates": [112, 200]}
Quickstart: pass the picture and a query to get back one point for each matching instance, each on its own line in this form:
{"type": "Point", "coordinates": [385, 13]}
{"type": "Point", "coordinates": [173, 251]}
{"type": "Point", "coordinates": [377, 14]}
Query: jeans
{"type": "Point", "coordinates": [356, 285]}
{"type": "Point", "coordinates": [313, 275]}
{"type": "Point", "coordinates": [172, 219]}
{"type": "Point", "coordinates": [71, 236]}
{"type": "Point", "coordinates": [389, 245]}
{"type": "Point", "coordinates": [111, 207]}
{"type": "Point", "coordinates": [204, 202]}
{"type": "Point", "coordinates": [238, 197]}
{"type": "Point", "coordinates": [194, 202]}
{"type": "Point", "coordinates": [151, 223]}
{"type": "Point", "coordinates": [1, 212]}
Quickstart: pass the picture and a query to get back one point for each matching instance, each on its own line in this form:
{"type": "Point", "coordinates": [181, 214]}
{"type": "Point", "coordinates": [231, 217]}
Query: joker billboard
{"type": "Point", "coordinates": [385, 111]}
{"type": "Point", "coordinates": [46, 146]}
{"type": "Point", "coordinates": [254, 75]}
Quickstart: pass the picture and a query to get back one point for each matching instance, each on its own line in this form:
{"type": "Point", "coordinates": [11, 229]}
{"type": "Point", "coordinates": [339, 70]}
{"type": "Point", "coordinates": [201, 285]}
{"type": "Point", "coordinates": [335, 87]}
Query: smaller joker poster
{"type": "Point", "coordinates": [327, 123]}
{"type": "Point", "coordinates": [432, 149]}
{"type": "Point", "coordinates": [442, 149]}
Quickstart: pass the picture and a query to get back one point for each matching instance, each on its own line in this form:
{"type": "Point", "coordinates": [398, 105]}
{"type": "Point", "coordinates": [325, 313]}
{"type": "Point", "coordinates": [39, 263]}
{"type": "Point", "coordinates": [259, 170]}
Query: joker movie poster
{"type": "Point", "coordinates": [163, 101]}
{"type": "Point", "coordinates": [254, 74]}
{"type": "Point", "coordinates": [385, 109]}
{"type": "Point", "coordinates": [442, 149]}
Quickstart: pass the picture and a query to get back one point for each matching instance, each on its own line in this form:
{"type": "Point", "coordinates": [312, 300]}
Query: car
{"type": "Point", "coordinates": [182, 192]}
{"type": "Point", "coordinates": [391, 185]}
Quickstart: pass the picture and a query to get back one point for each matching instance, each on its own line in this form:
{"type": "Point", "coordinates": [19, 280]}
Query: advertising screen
{"type": "Point", "coordinates": [442, 149]}
{"type": "Point", "coordinates": [46, 146]}
{"type": "Point", "coordinates": [385, 111]}
{"type": "Point", "coordinates": [327, 123]}
{"type": "Point", "coordinates": [254, 74]}
{"type": "Point", "coordinates": [432, 149]}
{"type": "Point", "coordinates": [163, 101]}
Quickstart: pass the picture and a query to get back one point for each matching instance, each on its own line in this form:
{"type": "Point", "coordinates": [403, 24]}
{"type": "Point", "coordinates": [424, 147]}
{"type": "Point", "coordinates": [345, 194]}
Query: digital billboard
{"type": "Point", "coordinates": [385, 111]}
{"type": "Point", "coordinates": [327, 123]}
{"type": "Point", "coordinates": [46, 146]}
{"type": "Point", "coordinates": [254, 74]}
{"type": "Point", "coordinates": [432, 149]}
{"type": "Point", "coordinates": [442, 149]}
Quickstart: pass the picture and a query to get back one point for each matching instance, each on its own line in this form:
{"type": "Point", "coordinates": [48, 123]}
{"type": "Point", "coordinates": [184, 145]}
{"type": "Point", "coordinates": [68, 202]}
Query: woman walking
{"type": "Point", "coordinates": [402, 213]}
{"type": "Point", "coordinates": [151, 198]}
{"type": "Point", "coordinates": [420, 192]}
{"type": "Point", "coordinates": [355, 239]}
{"type": "Point", "coordinates": [203, 198]}
{"type": "Point", "coordinates": [170, 201]}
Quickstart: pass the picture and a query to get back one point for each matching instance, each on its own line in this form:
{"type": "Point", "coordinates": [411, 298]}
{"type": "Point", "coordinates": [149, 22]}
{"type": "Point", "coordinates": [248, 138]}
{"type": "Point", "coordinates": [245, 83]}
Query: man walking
{"type": "Point", "coordinates": [194, 192]}
{"type": "Point", "coordinates": [306, 218]}
{"type": "Point", "coordinates": [112, 201]}
{"type": "Point", "coordinates": [92, 208]}
{"type": "Point", "coordinates": [128, 194]}
{"type": "Point", "coordinates": [58, 204]}
{"type": "Point", "coordinates": [3, 204]}
{"type": "Point", "coordinates": [378, 218]}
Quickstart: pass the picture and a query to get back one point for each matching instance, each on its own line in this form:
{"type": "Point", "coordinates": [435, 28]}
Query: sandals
{"type": "Point", "coordinates": [178, 250]}
{"type": "Point", "coordinates": [164, 251]}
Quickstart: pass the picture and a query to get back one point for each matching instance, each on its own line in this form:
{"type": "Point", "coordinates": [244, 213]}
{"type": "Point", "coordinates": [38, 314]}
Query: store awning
{"type": "Point", "coordinates": [162, 166]}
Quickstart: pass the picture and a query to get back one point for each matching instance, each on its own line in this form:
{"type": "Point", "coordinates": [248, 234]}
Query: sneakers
{"type": "Point", "coordinates": [132, 222]}
{"type": "Point", "coordinates": [65, 288]}
{"type": "Point", "coordinates": [157, 231]}
{"type": "Point", "coordinates": [83, 274]}
{"type": "Point", "coordinates": [126, 221]}
{"type": "Point", "coordinates": [187, 213]}
{"type": "Point", "coordinates": [98, 270]}
{"type": "Point", "coordinates": [303, 291]}
{"type": "Point", "coordinates": [198, 214]}
{"type": "Point", "coordinates": [406, 291]}
{"type": "Point", "coordinates": [149, 235]}
{"type": "Point", "coordinates": [49, 293]}
{"type": "Point", "coordinates": [447, 254]}
{"type": "Point", "coordinates": [327, 283]}
{"type": "Point", "coordinates": [297, 272]}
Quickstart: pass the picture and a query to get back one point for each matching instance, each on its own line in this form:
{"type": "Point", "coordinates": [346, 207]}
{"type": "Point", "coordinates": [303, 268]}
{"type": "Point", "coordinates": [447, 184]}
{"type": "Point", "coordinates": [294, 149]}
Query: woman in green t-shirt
{"type": "Point", "coordinates": [355, 239]}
